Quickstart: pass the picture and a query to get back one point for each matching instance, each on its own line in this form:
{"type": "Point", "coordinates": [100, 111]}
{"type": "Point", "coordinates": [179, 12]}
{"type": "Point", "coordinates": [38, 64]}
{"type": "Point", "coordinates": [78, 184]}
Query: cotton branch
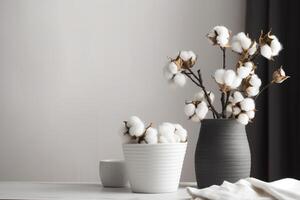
{"type": "Point", "coordinates": [199, 82]}
{"type": "Point", "coordinates": [223, 101]}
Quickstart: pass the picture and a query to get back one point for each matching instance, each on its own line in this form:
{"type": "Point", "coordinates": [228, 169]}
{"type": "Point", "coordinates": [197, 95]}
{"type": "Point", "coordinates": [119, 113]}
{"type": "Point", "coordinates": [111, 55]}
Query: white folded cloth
{"type": "Point", "coordinates": [250, 189]}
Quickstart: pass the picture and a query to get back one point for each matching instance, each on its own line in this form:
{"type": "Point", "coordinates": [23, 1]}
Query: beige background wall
{"type": "Point", "coordinates": [71, 71]}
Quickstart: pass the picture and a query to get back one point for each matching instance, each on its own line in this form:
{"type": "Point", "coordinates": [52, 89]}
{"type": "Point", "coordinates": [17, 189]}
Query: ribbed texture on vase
{"type": "Point", "coordinates": [222, 153]}
{"type": "Point", "coordinates": [154, 168]}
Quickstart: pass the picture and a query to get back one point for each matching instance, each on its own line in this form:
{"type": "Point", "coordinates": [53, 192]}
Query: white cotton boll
{"type": "Point", "coordinates": [236, 46]}
{"type": "Point", "coordinates": [179, 79]}
{"type": "Point", "coordinates": [243, 72]}
{"type": "Point", "coordinates": [222, 41]}
{"type": "Point", "coordinates": [252, 91]}
{"type": "Point", "coordinates": [189, 109]}
{"type": "Point", "coordinates": [243, 118]}
{"type": "Point", "coordinates": [192, 55]}
{"type": "Point", "coordinates": [181, 132]}
{"type": "Point", "coordinates": [195, 118]}
{"type": "Point", "coordinates": [249, 65]}
{"type": "Point", "coordinates": [134, 121]}
{"type": "Point", "coordinates": [184, 55]}
{"type": "Point", "coordinates": [176, 138]}
{"type": "Point", "coordinates": [229, 109]}
{"type": "Point", "coordinates": [229, 77]}
{"type": "Point", "coordinates": [236, 110]}
{"type": "Point", "coordinates": [245, 41]}
{"type": "Point", "coordinates": [137, 130]}
{"type": "Point", "coordinates": [236, 83]}
{"type": "Point", "coordinates": [173, 68]}
{"type": "Point", "coordinates": [166, 129]}
{"type": "Point", "coordinates": [182, 135]}
{"type": "Point", "coordinates": [251, 114]}
{"type": "Point", "coordinates": [266, 51]}
{"type": "Point", "coordinates": [151, 136]}
{"type": "Point", "coordinates": [162, 139]}
{"type": "Point", "coordinates": [237, 97]}
{"type": "Point", "coordinates": [201, 110]}
{"type": "Point", "coordinates": [219, 76]}
{"type": "Point", "coordinates": [276, 47]}
{"type": "Point", "coordinates": [247, 104]}
{"type": "Point", "coordinates": [255, 81]}
{"type": "Point", "coordinates": [199, 96]}
{"type": "Point", "coordinates": [222, 30]}
{"type": "Point", "coordinates": [253, 49]}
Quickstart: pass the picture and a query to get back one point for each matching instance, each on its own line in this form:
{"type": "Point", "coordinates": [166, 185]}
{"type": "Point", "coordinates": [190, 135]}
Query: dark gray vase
{"type": "Point", "coordinates": [222, 152]}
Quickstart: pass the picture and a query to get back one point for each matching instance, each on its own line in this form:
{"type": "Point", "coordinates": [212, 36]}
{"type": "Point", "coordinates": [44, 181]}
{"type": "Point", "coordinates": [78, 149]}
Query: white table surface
{"type": "Point", "coordinates": [48, 190]}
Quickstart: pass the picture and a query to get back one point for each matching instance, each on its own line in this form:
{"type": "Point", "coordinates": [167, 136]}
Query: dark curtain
{"type": "Point", "coordinates": [274, 136]}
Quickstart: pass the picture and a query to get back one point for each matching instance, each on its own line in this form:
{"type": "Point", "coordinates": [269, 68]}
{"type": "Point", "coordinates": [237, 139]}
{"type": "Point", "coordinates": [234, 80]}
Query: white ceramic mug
{"type": "Point", "coordinates": [113, 173]}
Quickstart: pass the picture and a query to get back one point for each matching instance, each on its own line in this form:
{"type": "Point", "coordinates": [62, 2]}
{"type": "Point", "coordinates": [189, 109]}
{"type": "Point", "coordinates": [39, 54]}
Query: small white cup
{"type": "Point", "coordinates": [113, 173]}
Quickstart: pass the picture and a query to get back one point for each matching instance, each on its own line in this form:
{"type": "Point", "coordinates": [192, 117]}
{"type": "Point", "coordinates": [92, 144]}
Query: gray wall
{"type": "Point", "coordinates": [72, 71]}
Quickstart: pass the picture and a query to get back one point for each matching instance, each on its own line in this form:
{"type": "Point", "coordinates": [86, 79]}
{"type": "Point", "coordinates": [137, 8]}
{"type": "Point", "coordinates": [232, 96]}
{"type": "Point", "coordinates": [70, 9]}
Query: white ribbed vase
{"type": "Point", "coordinates": [154, 168]}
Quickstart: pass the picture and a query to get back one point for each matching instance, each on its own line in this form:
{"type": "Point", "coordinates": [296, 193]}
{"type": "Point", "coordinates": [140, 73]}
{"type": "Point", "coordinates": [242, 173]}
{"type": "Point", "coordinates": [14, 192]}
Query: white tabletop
{"type": "Point", "coordinates": [35, 190]}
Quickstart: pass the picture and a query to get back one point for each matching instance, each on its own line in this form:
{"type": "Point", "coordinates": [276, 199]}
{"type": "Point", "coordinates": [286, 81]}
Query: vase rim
{"type": "Point", "coordinates": [222, 119]}
{"type": "Point", "coordinates": [158, 144]}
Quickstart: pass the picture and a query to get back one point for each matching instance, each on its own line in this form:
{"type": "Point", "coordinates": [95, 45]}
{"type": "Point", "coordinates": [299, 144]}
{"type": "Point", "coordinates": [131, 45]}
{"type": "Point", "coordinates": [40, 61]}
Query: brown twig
{"type": "Point", "coordinates": [223, 93]}
{"type": "Point", "coordinates": [198, 81]}
{"type": "Point", "coordinates": [263, 89]}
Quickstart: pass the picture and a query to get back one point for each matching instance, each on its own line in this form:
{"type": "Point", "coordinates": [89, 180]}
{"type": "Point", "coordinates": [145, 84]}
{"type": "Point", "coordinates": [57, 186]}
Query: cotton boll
{"type": "Point", "coordinates": [151, 136]}
{"type": "Point", "coordinates": [201, 110]}
{"type": "Point", "coordinates": [176, 138]}
{"type": "Point", "coordinates": [236, 83]}
{"type": "Point", "coordinates": [195, 118]}
{"type": "Point", "coordinates": [252, 49]}
{"type": "Point", "coordinates": [243, 72]}
{"type": "Point", "coordinates": [166, 129]}
{"type": "Point", "coordinates": [243, 118]}
{"type": "Point", "coordinates": [162, 139]}
{"type": "Point", "coordinates": [249, 65]}
{"type": "Point", "coordinates": [181, 132]}
{"type": "Point", "coordinates": [266, 51]}
{"type": "Point", "coordinates": [189, 109]}
{"type": "Point", "coordinates": [134, 121]}
{"type": "Point", "coordinates": [255, 81]}
{"type": "Point", "coordinates": [199, 96]}
{"type": "Point", "coordinates": [251, 114]}
{"type": "Point", "coordinates": [219, 76]}
{"type": "Point", "coordinates": [252, 91]}
{"type": "Point", "coordinates": [184, 55]}
{"type": "Point", "coordinates": [222, 41]}
{"type": "Point", "coordinates": [173, 68]}
{"type": "Point", "coordinates": [245, 41]}
{"type": "Point", "coordinates": [229, 109]}
{"type": "Point", "coordinates": [229, 77]}
{"type": "Point", "coordinates": [247, 104]}
{"type": "Point", "coordinates": [237, 97]}
{"type": "Point", "coordinates": [276, 47]}
{"type": "Point", "coordinates": [236, 46]}
{"type": "Point", "coordinates": [192, 55]}
{"type": "Point", "coordinates": [222, 30]}
{"type": "Point", "coordinates": [236, 110]}
{"type": "Point", "coordinates": [179, 79]}
{"type": "Point", "coordinates": [137, 130]}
